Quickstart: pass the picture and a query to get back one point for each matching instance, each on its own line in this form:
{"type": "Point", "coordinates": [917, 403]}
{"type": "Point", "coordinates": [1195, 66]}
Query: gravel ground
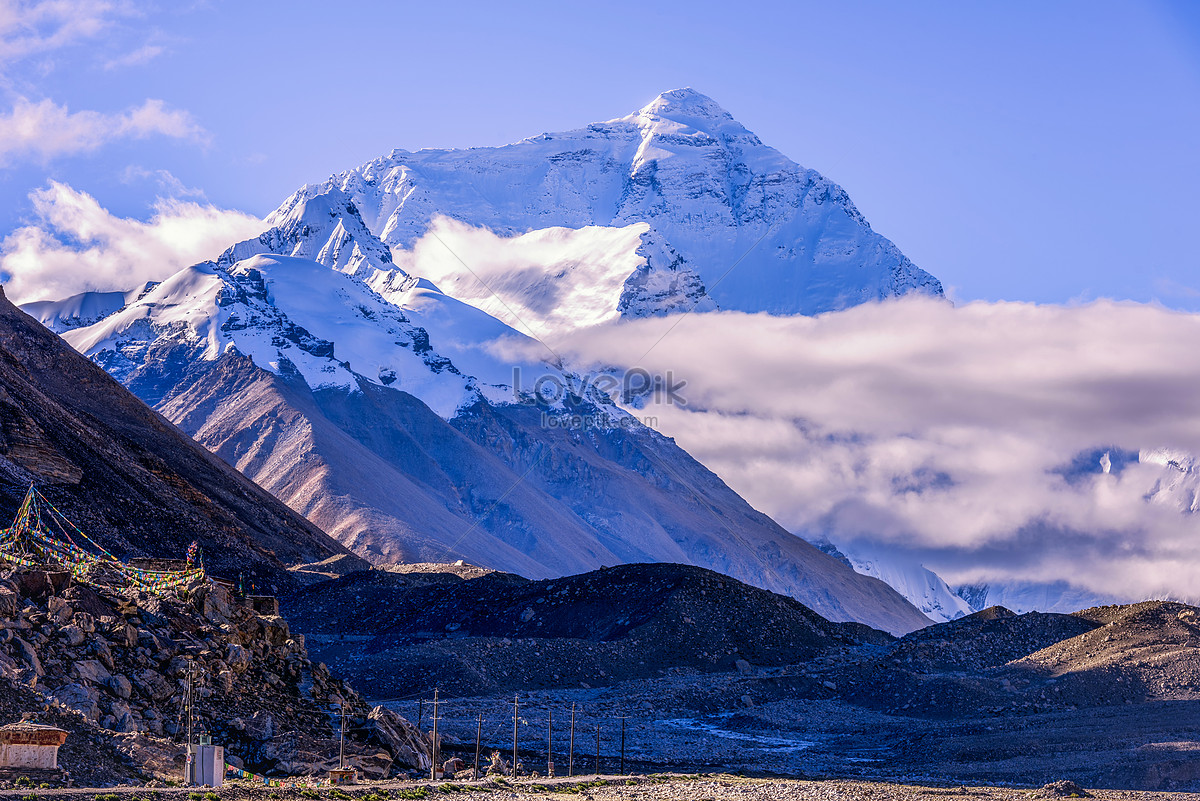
{"type": "Point", "coordinates": [658, 787]}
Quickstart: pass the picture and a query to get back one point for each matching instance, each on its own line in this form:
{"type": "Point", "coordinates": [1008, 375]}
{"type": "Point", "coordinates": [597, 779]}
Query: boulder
{"type": "Point", "coordinates": [217, 605]}
{"type": "Point", "coordinates": [237, 657]}
{"type": "Point", "coordinates": [85, 622]}
{"type": "Point", "coordinates": [152, 685]}
{"type": "Point", "coordinates": [402, 739]}
{"type": "Point", "coordinates": [275, 630]}
{"type": "Point", "coordinates": [77, 697]}
{"type": "Point", "coordinates": [28, 654]}
{"type": "Point", "coordinates": [73, 635]}
{"type": "Point", "coordinates": [260, 726]}
{"type": "Point", "coordinates": [9, 603]}
{"type": "Point", "coordinates": [120, 686]}
{"type": "Point", "coordinates": [99, 649]}
{"type": "Point", "coordinates": [59, 610]}
{"type": "Point", "coordinates": [90, 671]}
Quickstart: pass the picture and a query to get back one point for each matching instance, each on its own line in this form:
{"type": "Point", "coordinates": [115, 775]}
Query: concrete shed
{"type": "Point", "coordinates": [30, 746]}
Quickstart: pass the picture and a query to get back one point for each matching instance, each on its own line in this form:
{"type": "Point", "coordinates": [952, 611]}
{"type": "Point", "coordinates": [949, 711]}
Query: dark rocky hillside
{"type": "Point", "coordinates": [127, 477]}
{"type": "Point", "coordinates": [399, 634]}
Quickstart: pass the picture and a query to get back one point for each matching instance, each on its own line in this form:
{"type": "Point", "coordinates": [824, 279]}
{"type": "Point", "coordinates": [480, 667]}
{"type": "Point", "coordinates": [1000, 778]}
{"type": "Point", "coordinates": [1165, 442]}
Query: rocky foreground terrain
{"type": "Point", "coordinates": [111, 667]}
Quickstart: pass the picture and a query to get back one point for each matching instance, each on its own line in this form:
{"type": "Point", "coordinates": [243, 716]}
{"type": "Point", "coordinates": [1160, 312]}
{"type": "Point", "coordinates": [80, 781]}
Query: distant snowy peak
{"type": "Point", "coordinates": [325, 228]}
{"type": "Point", "coordinates": [1022, 597]}
{"type": "Point", "coordinates": [1178, 483]}
{"type": "Point", "coordinates": [758, 231]}
{"type": "Point", "coordinates": [83, 309]}
{"type": "Point", "coordinates": [922, 587]}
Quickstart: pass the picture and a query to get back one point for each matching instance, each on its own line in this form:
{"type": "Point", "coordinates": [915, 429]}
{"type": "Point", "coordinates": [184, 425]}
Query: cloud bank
{"type": "Point", "coordinates": [970, 438]}
{"type": "Point", "coordinates": [45, 130]}
{"type": "Point", "coordinates": [76, 245]}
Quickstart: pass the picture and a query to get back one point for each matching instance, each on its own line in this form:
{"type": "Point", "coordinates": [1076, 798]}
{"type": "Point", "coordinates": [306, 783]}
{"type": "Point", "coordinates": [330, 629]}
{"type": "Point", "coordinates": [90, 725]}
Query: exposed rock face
{"type": "Point", "coordinates": [257, 692]}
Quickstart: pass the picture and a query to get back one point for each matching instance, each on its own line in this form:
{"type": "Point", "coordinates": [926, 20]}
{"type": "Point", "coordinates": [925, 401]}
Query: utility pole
{"type": "Point", "coordinates": [550, 744]}
{"type": "Point", "coordinates": [478, 734]}
{"type": "Point", "coordinates": [342, 746]}
{"type": "Point", "coordinates": [597, 750]}
{"type": "Point", "coordinates": [191, 703]}
{"type": "Point", "coordinates": [516, 706]}
{"type": "Point", "coordinates": [433, 748]}
{"type": "Point", "coordinates": [571, 748]}
{"type": "Point", "coordinates": [188, 765]}
{"type": "Point", "coordinates": [622, 746]}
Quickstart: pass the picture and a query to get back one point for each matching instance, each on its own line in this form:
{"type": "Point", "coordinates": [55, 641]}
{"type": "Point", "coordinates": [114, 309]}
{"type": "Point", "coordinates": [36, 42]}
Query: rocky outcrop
{"type": "Point", "coordinates": [120, 662]}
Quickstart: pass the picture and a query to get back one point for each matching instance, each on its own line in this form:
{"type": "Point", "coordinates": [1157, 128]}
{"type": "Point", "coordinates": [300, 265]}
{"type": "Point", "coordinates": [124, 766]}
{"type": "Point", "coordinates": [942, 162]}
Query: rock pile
{"type": "Point", "coordinates": [119, 663]}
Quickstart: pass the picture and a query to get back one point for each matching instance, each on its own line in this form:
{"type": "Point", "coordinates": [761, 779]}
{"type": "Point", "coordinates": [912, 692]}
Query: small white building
{"type": "Point", "coordinates": [30, 746]}
{"type": "Point", "coordinates": [205, 765]}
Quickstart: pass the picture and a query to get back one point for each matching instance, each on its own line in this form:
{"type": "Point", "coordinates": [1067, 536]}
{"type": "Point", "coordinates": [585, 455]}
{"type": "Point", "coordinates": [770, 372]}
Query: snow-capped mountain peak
{"type": "Point", "coordinates": [326, 228]}
{"type": "Point", "coordinates": [709, 188]}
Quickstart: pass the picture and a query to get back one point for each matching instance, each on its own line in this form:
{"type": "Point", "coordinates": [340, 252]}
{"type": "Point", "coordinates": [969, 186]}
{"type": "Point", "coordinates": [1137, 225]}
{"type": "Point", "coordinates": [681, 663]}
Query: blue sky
{"type": "Point", "coordinates": [1022, 151]}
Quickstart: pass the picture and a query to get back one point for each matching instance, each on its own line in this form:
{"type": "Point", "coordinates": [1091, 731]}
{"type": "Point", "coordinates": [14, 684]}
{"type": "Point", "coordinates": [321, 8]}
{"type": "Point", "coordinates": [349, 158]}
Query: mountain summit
{"type": "Point", "coordinates": [752, 229]}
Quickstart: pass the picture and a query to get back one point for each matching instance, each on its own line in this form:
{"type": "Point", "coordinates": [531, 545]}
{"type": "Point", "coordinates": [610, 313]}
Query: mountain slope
{"type": "Point", "coordinates": [707, 188]}
{"type": "Point", "coordinates": [389, 424]}
{"type": "Point", "coordinates": [125, 476]}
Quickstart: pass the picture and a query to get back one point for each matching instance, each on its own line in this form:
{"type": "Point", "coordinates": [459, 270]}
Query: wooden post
{"type": "Point", "coordinates": [478, 734]}
{"type": "Point", "coordinates": [516, 706]}
{"type": "Point", "coordinates": [597, 750]}
{"type": "Point", "coordinates": [571, 749]}
{"type": "Point", "coordinates": [550, 744]}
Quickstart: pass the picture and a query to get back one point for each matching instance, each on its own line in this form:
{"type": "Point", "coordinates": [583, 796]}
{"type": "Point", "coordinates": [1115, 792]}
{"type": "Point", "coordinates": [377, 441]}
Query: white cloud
{"type": "Point", "coordinates": [38, 26]}
{"type": "Point", "coordinates": [944, 431]}
{"type": "Point", "coordinates": [77, 245]}
{"type": "Point", "coordinates": [143, 55]}
{"type": "Point", "coordinates": [167, 183]}
{"type": "Point", "coordinates": [45, 130]}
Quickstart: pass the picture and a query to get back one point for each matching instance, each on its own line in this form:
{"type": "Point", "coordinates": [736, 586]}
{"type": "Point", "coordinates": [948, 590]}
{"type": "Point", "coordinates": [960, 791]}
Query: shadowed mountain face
{"type": "Point", "coordinates": [500, 632]}
{"type": "Point", "coordinates": [125, 476]}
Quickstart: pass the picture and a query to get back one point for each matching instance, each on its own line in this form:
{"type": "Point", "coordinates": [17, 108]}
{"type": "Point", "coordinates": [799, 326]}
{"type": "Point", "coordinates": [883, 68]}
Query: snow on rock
{"type": "Point", "coordinates": [295, 316]}
{"type": "Point", "coordinates": [326, 229]}
{"type": "Point", "coordinates": [1028, 596]}
{"type": "Point", "coordinates": [708, 187]}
